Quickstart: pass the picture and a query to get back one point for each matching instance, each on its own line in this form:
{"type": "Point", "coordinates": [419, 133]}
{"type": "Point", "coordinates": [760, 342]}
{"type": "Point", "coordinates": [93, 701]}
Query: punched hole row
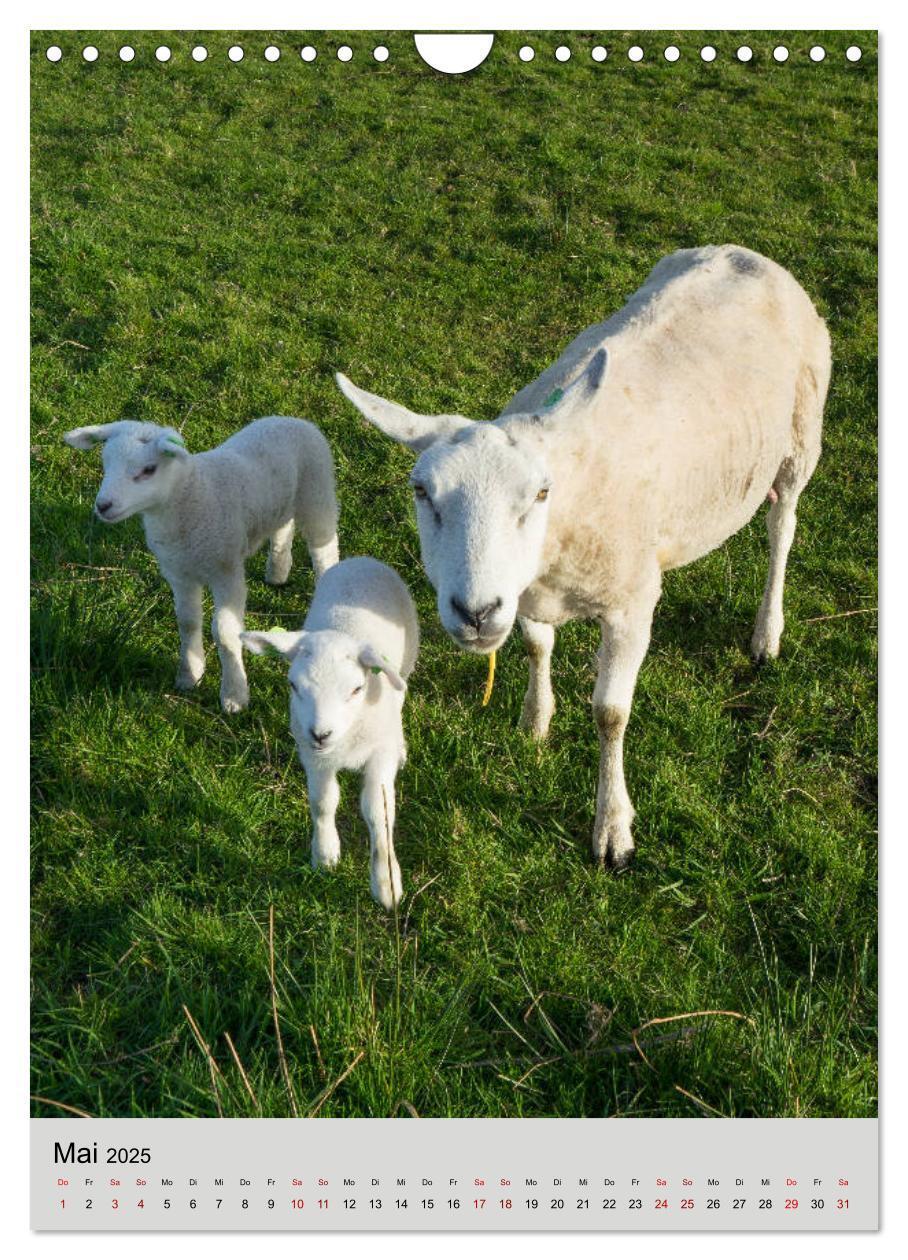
{"type": "Point", "coordinates": [380, 53]}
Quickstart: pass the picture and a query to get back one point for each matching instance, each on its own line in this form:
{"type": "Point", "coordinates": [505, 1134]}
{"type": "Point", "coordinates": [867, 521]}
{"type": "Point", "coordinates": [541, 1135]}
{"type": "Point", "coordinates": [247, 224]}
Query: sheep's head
{"type": "Point", "coordinates": [332, 678]}
{"type": "Point", "coordinates": [141, 462]}
{"type": "Point", "coordinates": [482, 503]}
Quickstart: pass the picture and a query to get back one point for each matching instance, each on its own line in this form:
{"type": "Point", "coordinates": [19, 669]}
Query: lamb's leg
{"type": "Point", "coordinates": [324, 796]}
{"type": "Point", "coordinates": [780, 525]}
{"type": "Point", "coordinates": [187, 603]}
{"type": "Point", "coordinates": [229, 596]}
{"type": "Point", "coordinates": [280, 555]}
{"type": "Point", "coordinates": [625, 639]}
{"type": "Point", "coordinates": [323, 555]}
{"type": "Point", "coordinates": [539, 702]}
{"type": "Point", "coordinates": [377, 805]}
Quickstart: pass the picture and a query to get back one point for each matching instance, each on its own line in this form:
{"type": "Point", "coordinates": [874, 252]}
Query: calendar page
{"type": "Point", "coordinates": [454, 630]}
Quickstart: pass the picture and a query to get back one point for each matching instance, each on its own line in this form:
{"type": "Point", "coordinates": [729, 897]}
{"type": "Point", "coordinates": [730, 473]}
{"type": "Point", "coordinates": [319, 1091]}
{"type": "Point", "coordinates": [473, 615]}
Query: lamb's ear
{"type": "Point", "coordinates": [285, 642]}
{"type": "Point", "coordinates": [170, 443]}
{"type": "Point", "coordinates": [582, 390]}
{"type": "Point", "coordinates": [374, 661]}
{"type": "Point", "coordinates": [397, 422]}
{"type": "Point", "coordinates": [91, 435]}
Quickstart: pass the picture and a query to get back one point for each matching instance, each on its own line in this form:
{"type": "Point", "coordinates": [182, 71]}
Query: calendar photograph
{"type": "Point", "coordinates": [454, 553]}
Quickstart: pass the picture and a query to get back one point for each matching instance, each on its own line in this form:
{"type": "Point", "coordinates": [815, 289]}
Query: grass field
{"type": "Point", "coordinates": [213, 241]}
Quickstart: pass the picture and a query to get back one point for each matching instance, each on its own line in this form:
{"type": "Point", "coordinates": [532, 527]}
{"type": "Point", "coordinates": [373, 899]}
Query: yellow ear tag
{"type": "Point", "coordinates": [490, 680]}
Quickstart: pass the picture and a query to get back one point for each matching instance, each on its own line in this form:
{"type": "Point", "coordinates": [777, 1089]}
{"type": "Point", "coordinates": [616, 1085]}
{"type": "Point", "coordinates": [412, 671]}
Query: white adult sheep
{"type": "Point", "coordinates": [348, 670]}
{"type": "Point", "coordinates": [204, 514]}
{"type": "Point", "coordinates": [653, 438]}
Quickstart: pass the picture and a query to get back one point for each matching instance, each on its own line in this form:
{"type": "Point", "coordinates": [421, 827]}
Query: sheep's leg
{"type": "Point", "coordinates": [229, 596]}
{"type": "Point", "coordinates": [780, 525]}
{"type": "Point", "coordinates": [324, 796]}
{"type": "Point", "coordinates": [187, 603]}
{"type": "Point", "coordinates": [377, 806]}
{"type": "Point", "coordinates": [625, 639]}
{"type": "Point", "coordinates": [280, 555]}
{"type": "Point", "coordinates": [323, 555]}
{"type": "Point", "coordinates": [539, 701]}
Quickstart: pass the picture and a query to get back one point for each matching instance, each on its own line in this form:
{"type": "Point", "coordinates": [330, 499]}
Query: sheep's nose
{"type": "Point", "coordinates": [318, 737]}
{"type": "Point", "coordinates": [476, 616]}
{"type": "Point", "coordinates": [103, 506]}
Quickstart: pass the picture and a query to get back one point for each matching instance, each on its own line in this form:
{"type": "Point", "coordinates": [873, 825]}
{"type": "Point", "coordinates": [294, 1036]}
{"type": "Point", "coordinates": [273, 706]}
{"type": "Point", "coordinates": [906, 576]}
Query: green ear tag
{"type": "Point", "coordinates": [174, 441]}
{"type": "Point", "coordinates": [555, 396]}
{"type": "Point", "coordinates": [376, 669]}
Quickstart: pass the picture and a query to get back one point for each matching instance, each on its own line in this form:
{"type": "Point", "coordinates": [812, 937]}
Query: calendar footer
{"type": "Point", "coordinates": [533, 1174]}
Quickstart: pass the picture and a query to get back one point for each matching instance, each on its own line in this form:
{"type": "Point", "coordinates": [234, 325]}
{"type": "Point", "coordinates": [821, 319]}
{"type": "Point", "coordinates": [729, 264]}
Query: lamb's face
{"type": "Point", "coordinates": [482, 510]}
{"type": "Point", "coordinates": [329, 687]}
{"type": "Point", "coordinates": [141, 462]}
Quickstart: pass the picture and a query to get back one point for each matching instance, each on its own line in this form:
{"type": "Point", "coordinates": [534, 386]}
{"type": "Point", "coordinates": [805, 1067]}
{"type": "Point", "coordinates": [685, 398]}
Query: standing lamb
{"type": "Point", "coordinates": [205, 514]}
{"type": "Point", "coordinates": [348, 671]}
{"type": "Point", "coordinates": [652, 439]}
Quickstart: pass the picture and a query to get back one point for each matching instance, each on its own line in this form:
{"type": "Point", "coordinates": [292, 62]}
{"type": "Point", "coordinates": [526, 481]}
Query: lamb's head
{"type": "Point", "coordinates": [332, 678]}
{"type": "Point", "coordinates": [482, 496]}
{"type": "Point", "coordinates": [141, 465]}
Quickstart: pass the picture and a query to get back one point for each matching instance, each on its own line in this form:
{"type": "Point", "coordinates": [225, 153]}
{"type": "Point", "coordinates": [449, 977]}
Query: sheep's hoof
{"type": "Point", "coordinates": [187, 682]}
{"type": "Point", "coordinates": [233, 704]}
{"type": "Point", "coordinates": [535, 723]}
{"type": "Point", "coordinates": [613, 846]}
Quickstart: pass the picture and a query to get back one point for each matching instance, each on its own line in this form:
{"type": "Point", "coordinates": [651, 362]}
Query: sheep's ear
{"type": "Point", "coordinates": [170, 443]}
{"type": "Point", "coordinates": [376, 664]}
{"type": "Point", "coordinates": [397, 422]}
{"type": "Point", "coordinates": [285, 643]}
{"type": "Point", "coordinates": [91, 435]}
{"type": "Point", "coordinates": [562, 403]}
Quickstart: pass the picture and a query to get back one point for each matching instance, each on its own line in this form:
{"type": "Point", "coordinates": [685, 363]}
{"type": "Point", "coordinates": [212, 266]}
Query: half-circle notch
{"type": "Point", "coordinates": [454, 54]}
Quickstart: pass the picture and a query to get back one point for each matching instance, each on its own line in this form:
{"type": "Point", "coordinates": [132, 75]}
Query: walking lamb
{"type": "Point", "coordinates": [348, 670]}
{"type": "Point", "coordinates": [204, 514]}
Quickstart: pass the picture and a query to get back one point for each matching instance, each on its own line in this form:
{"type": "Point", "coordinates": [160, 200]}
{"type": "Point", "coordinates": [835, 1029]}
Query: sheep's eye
{"type": "Point", "coordinates": [542, 495]}
{"type": "Point", "coordinates": [356, 690]}
{"type": "Point", "coordinates": [149, 469]}
{"type": "Point", "coordinates": [420, 492]}
{"type": "Point", "coordinates": [293, 686]}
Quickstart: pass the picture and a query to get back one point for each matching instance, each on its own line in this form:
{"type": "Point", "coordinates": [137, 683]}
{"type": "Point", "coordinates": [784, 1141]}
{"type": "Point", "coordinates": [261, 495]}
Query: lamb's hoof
{"type": "Point", "coordinates": [326, 859]}
{"type": "Point", "coordinates": [234, 704]}
{"type": "Point", "coordinates": [273, 580]}
{"type": "Point", "coordinates": [387, 892]}
{"type": "Point", "coordinates": [764, 647]}
{"type": "Point", "coordinates": [187, 682]}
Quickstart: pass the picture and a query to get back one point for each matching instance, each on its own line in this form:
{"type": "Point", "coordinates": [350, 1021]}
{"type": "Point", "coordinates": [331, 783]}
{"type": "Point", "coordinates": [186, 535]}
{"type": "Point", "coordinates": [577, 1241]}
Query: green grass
{"type": "Point", "coordinates": [211, 242]}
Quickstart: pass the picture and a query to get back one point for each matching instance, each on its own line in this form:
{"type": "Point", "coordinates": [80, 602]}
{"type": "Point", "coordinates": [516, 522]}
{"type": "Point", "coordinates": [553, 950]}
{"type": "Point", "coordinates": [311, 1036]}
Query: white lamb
{"type": "Point", "coordinates": [348, 671]}
{"type": "Point", "coordinates": [652, 439]}
{"type": "Point", "coordinates": [204, 514]}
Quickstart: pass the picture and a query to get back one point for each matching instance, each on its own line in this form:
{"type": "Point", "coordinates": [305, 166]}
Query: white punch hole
{"type": "Point", "coordinates": [708, 53]}
{"type": "Point", "coordinates": [853, 53]}
{"type": "Point", "coordinates": [817, 53]}
{"type": "Point", "coordinates": [672, 53]}
{"type": "Point", "coordinates": [54, 53]}
{"type": "Point", "coordinates": [127, 53]}
{"type": "Point", "coordinates": [380, 53]}
{"type": "Point", "coordinates": [344, 53]}
{"type": "Point", "coordinates": [235, 53]}
{"type": "Point", "coordinates": [635, 53]}
{"type": "Point", "coordinates": [308, 53]}
{"type": "Point", "coordinates": [599, 53]}
{"type": "Point", "coordinates": [780, 53]}
{"type": "Point", "coordinates": [562, 53]}
{"type": "Point", "coordinates": [162, 53]}
{"type": "Point", "coordinates": [90, 53]}
{"type": "Point", "coordinates": [744, 53]}
{"type": "Point", "coordinates": [453, 54]}
{"type": "Point", "coordinates": [527, 53]}
{"type": "Point", "coordinates": [199, 53]}
{"type": "Point", "coordinates": [272, 53]}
